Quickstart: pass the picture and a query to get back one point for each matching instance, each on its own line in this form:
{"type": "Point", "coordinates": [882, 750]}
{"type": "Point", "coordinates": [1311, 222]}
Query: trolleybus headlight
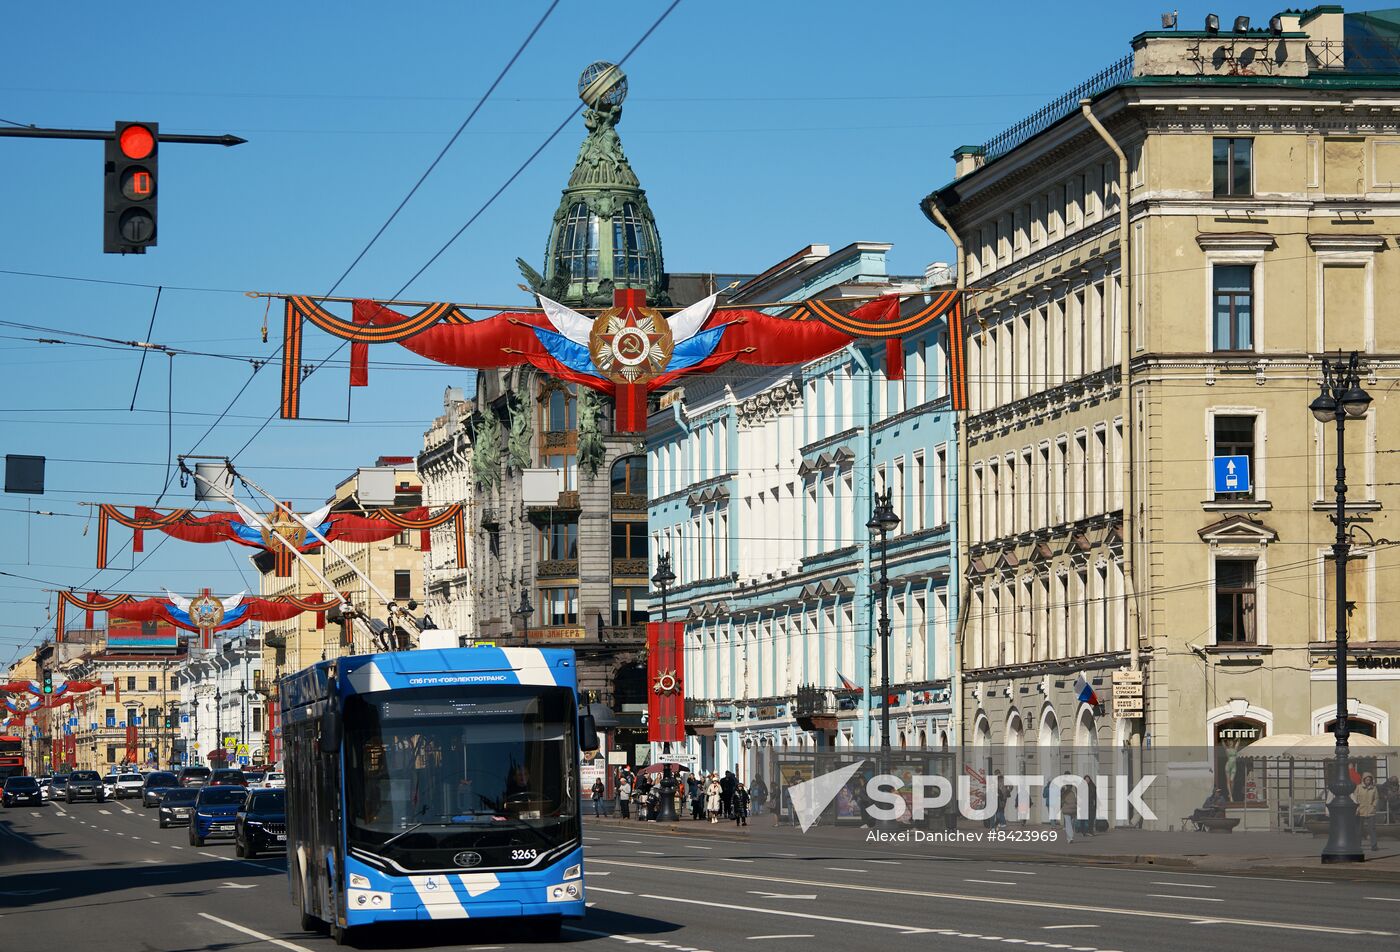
{"type": "Point", "coordinates": [573, 872]}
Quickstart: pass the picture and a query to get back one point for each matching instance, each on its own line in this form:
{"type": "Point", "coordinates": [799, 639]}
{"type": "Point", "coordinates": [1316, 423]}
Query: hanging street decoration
{"type": "Point", "coordinates": [627, 350]}
{"type": "Point", "coordinates": [666, 672]}
{"type": "Point", "coordinates": [241, 527]}
{"type": "Point", "coordinates": [205, 613]}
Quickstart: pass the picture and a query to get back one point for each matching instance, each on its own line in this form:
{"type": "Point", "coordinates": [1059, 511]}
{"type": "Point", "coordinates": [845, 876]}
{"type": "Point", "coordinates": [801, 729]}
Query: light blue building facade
{"type": "Point", "coordinates": [761, 482]}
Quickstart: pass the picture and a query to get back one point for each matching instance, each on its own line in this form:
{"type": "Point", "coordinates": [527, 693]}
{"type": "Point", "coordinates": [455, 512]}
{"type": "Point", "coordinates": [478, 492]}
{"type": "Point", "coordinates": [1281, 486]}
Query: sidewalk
{"type": "Point", "coordinates": [1285, 855]}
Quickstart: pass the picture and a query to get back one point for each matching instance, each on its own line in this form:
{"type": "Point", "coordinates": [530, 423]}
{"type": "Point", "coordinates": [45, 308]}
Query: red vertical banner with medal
{"type": "Point", "coordinates": [630, 344]}
{"type": "Point", "coordinates": [666, 678]}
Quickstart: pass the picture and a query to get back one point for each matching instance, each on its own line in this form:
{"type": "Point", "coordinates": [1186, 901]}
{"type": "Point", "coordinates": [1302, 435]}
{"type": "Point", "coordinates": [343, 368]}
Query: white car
{"type": "Point", "coordinates": [129, 785]}
{"type": "Point", "coordinates": [272, 780]}
{"type": "Point", "coordinates": [45, 787]}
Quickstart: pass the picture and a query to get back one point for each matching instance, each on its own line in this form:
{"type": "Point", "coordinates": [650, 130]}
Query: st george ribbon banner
{"type": "Point", "coordinates": [666, 680]}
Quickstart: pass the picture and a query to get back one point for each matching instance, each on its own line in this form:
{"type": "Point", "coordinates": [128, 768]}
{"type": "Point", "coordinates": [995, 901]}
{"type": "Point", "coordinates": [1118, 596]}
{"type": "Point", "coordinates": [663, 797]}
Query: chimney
{"type": "Point", "coordinates": [966, 159]}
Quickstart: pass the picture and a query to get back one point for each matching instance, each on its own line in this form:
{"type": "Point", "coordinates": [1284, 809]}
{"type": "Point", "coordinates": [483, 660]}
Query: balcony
{"type": "Point", "coordinates": [624, 635]}
{"type": "Point", "coordinates": [265, 686]}
{"type": "Point", "coordinates": [634, 568]}
{"type": "Point", "coordinates": [629, 502]}
{"type": "Point", "coordinates": [568, 502]}
{"type": "Point", "coordinates": [699, 713]}
{"type": "Point", "coordinates": [818, 708]}
{"type": "Point", "coordinates": [556, 568]}
{"type": "Point", "coordinates": [489, 518]}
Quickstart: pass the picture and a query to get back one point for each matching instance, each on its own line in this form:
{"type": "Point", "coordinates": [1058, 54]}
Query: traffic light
{"type": "Point", "coordinates": [48, 684]}
{"type": "Point", "coordinates": [169, 722]}
{"type": "Point", "coordinates": [129, 189]}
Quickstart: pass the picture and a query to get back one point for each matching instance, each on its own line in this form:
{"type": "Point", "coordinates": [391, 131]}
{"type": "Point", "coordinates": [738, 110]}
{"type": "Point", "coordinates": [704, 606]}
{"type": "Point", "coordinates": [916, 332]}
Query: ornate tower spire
{"type": "Point", "coordinates": [604, 235]}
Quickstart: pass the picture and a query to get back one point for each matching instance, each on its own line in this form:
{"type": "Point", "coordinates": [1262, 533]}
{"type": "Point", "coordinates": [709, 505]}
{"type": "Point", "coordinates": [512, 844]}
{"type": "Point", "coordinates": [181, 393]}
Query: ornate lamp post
{"type": "Point", "coordinates": [524, 610]}
{"type": "Point", "coordinates": [663, 579]}
{"type": "Point", "coordinates": [1341, 399]}
{"type": "Point", "coordinates": [884, 521]}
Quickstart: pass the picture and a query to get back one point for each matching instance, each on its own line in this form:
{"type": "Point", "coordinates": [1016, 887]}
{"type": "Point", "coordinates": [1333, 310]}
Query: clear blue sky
{"type": "Point", "coordinates": [756, 128]}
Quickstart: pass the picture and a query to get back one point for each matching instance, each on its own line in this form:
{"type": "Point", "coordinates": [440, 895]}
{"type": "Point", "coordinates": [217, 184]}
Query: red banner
{"type": "Point", "coordinates": [666, 674]}
{"type": "Point", "coordinates": [131, 742]}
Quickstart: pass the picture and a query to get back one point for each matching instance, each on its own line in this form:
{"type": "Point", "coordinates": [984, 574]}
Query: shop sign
{"type": "Point", "coordinates": [1365, 662]}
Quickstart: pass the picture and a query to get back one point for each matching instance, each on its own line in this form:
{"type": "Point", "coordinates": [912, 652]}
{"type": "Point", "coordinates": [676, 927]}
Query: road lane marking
{"type": "Point", "coordinates": [730, 859]}
{"type": "Point", "coordinates": [651, 852]}
{"type": "Point", "coordinates": [844, 869]}
{"type": "Point", "coordinates": [591, 874]}
{"type": "Point", "coordinates": [1013, 872]}
{"type": "Point", "coordinates": [686, 845]}
{"type": "Point", "coordinates": [1076, 925]}
{"type": "Point", "coordinates": [886, 862]}
{"type": "Point", "coordinates": [105, 812]}
{"type": "Point", "coordinates": [239, 886]}
{"type": "Point", "coordinates": [991, 882]}
{"type": "Point", "coordinates": [990, 900]}
{"type": "Point", "coordinates": [213, 855]}
{"type": "Point", "coordinates": [616, 892]}
{"type": "Point", "coordinates": [32, 813]}
{"type": "Point", "coordinates": [629, 939]}
{"type": "Point", "coordinates": [1157, 882]}
{"type": "Point", "coordinates": [790, 935]}
{"type": "Point", "coordinates": [631, 842]}
{"type": "Point", "coordinates": [1384, 898]}
{"type": "Point", "coordinates": [770, 895]}
{"type": "Point", "coordinates": [257, 935]}
{"type": "Point", "coordinates": [1196, 898]}
{"type": "Point", "coordinates": [177, 847]}
{"type": "Point", "coordinates": [790, 913]}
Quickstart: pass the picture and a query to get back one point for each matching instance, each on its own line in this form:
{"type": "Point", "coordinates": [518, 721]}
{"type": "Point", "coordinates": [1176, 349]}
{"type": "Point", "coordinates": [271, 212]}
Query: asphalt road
{"type": "Point", "coordinates": [104, 875]}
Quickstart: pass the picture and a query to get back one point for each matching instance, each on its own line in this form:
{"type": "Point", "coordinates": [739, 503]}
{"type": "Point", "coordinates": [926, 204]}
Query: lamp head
{"type": "Point", "coordinates": [1355, 401]}
{"type": "Point", "coordinates": [1323, 407]}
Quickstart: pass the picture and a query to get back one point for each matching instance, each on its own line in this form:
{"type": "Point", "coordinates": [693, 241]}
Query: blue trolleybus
{"type": "Point", "coordinates": [435, 784]}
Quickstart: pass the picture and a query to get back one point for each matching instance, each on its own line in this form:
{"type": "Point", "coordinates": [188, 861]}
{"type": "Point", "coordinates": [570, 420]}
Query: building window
{"type": "Point", "coordinates": [174, 684]}
{"type": "Point", "coordinates": [629, 540]}
{"type": "Point", "coordinates": [560, 409]}
{"type": "Point", "coordinates": [403, 584]}
{"type": "Point", "coordinates": [559, 606]}
{"type": "Point", "coordinates": [1235, 618]}
{"type": "Point", "coordinates": [631, 246]}
{"type": "Point", "coordinates": [629, 605]}
{"type": "Point", "coordinates": [1234, 436]}
{"type": "Point", "coordinates": [111, 753]}
{"type": "Point", "coordinates": [151, 683]}
{"type": "Point", "coordinates": [257, 719]}
{"type": "Point", "coordinates": [1232, 161]}
{"type": "Point", "coordinates": [403, 538]}
{"type": "Point", "coordinates": [568, 463]}
{"type": "Point", "coordinates": [1233, 318]}
{"type": "Point", "coordinates": [578, 249]}
{"type": "Point", "coordinates": [629, 475]}
{"type": "Point", "coordinates": [559, 541]}
{"type": "Point", "coordinates": [131, 684]}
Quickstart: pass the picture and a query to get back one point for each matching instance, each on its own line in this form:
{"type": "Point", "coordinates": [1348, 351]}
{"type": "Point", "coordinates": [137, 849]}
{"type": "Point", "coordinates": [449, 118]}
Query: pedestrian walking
{"type": "Point", "coordinates": [641, 791]}
{"type": "Point", "coordinates": [714, 802]}
{"type": "Point", "coordinates": [740, 803]}
{"type": "Point", "coordinates": [1089, 825]}
{"type": "Point", "coordinates": [624, 796]}
{"type": "Point", "coordinates": [1002, 792]}
{"type": "Point", "coordinates": [697, 797]}
{"type": "Point", "coordinates": [759, 794]}
{"type": "Point", "coordinates": [1367, 798]}
{"type": "Point", "coordinates": [598, 792]}
{"type": "Point", "coordinates": [726, 793]}
{"type": "Point", "coordinates": [1069, 806]}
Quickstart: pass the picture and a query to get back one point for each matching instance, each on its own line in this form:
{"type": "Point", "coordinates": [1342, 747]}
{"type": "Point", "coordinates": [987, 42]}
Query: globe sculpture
{"type": "Point", "coordinates": [602, 85]}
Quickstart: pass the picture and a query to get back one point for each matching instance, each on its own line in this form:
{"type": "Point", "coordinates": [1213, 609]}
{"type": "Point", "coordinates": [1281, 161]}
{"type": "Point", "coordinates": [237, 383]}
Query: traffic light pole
{"type": "Point", "coordinates": [36, 132]}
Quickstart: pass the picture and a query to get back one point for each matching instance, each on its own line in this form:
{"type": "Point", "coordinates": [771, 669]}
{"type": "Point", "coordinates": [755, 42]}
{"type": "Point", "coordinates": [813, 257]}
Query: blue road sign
{"type": "Point", "coordinates": [1232, 474]}
{"type": "Point", "coordinates": [184, 718]}
{"type": "Point", "coordinates": [243, 761]}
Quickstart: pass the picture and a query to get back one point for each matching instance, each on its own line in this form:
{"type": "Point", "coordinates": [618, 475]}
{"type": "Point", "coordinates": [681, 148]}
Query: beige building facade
{"type": "Point", "coordinates": [1115, 353]}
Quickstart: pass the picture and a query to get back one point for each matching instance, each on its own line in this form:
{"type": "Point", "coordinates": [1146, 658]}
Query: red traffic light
{"type": "Point", "coordinates": [136, 142]}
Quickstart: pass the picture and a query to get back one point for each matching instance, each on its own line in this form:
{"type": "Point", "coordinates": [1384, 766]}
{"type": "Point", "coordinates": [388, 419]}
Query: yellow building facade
{"type": "Point", "coordinates": [1117, 354]}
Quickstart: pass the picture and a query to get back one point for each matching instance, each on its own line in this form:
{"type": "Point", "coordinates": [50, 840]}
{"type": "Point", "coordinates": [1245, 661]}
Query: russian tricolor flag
{"type": "Point", "coordinates": [1085, 691]}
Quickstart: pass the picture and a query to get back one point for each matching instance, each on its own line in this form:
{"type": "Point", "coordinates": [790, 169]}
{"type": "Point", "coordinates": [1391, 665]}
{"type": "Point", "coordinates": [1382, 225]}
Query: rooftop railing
{"type": "Point", "coordinates": [1037, 122]}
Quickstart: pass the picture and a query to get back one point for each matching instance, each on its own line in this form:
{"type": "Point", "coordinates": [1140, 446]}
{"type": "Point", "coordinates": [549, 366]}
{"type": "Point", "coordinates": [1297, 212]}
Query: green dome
{"type": "Point", "coordinates": [603, 236]}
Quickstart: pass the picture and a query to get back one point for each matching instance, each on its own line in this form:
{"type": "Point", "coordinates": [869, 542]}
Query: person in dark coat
{"type": "Point", "coordinates": [726, 793]}
{"type": "Point", "coordinates": [759, 794]}
{"type": "Point", "coordinates": [598, 792]}
{"type": "Point", "coordinates": [740, 799]}
{"type": "Point", "coordinates": [697, 797]}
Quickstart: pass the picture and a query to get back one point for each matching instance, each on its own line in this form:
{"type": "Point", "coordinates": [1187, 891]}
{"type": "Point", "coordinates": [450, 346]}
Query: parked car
{"type": "Point", "coordinates": [214, 812]}
{"type": "Point", "coordinates": [254, 777]}
{"type": "Point", "coordinates": [155, 786]}
{"type": "Point", "coordinates": [194, 776]}
{"type": "Point", "coordinates": [26, 790]}
{"type": "Point", "coordinates": [261, 823]}
{"type": "Point", "coordinates": [228, 776]}
{"type": "Point", "coordinates": [176, 806]}
{"type": "Point", "coordinates": [85, 785]}
{"type": "Point", "coordinates": [129, 784]}
{"type": "Point", "coordinates": [272, 780]}
{"type": "Point", "coordinates": [58, 787]}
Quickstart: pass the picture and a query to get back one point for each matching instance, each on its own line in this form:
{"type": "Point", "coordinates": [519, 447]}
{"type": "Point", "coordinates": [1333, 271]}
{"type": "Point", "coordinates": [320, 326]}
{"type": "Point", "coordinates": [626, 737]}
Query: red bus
{"type": "Point", "coordinates": [11, 756]}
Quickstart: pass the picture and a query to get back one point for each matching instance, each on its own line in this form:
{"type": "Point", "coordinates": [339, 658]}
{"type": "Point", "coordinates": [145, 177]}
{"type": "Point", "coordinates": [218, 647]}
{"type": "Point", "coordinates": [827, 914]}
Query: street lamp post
{"type": "Point", "coordinates": [663, 579]}
{"type": "Point", "coordinates": [1341, 399]}
{"type": "Point", "coordinates": [524, 610]}
{"type": "Point", "coordinates": [884, 521]}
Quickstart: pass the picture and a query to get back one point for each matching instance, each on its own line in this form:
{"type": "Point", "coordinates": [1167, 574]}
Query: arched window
{"type": "Point", "coordinates": [631, 246]}
{"type": "Point", "coordinates": [578, 243]}
{"type": "Point", "coordinates": [629, 475]}
{"type": "Point", "coordinates": [560, 409]}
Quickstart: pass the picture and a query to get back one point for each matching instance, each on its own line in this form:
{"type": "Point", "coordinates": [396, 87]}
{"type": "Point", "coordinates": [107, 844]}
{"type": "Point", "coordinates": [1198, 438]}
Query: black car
{"type": "Point", "coordinates": [85, 785]}
{"type": "Point", "coordinates": [25, 790]}
{"type": "Point", "coordinates": [155, 786]}
{"type": "Point", "coordinates": [228, 777]}
{"type": "Point", "coordinates": [261, 823]}
{"type": "Point", "coordinates": [194, 776]}
{"type": "Point", "coordinates": [176, 806]}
